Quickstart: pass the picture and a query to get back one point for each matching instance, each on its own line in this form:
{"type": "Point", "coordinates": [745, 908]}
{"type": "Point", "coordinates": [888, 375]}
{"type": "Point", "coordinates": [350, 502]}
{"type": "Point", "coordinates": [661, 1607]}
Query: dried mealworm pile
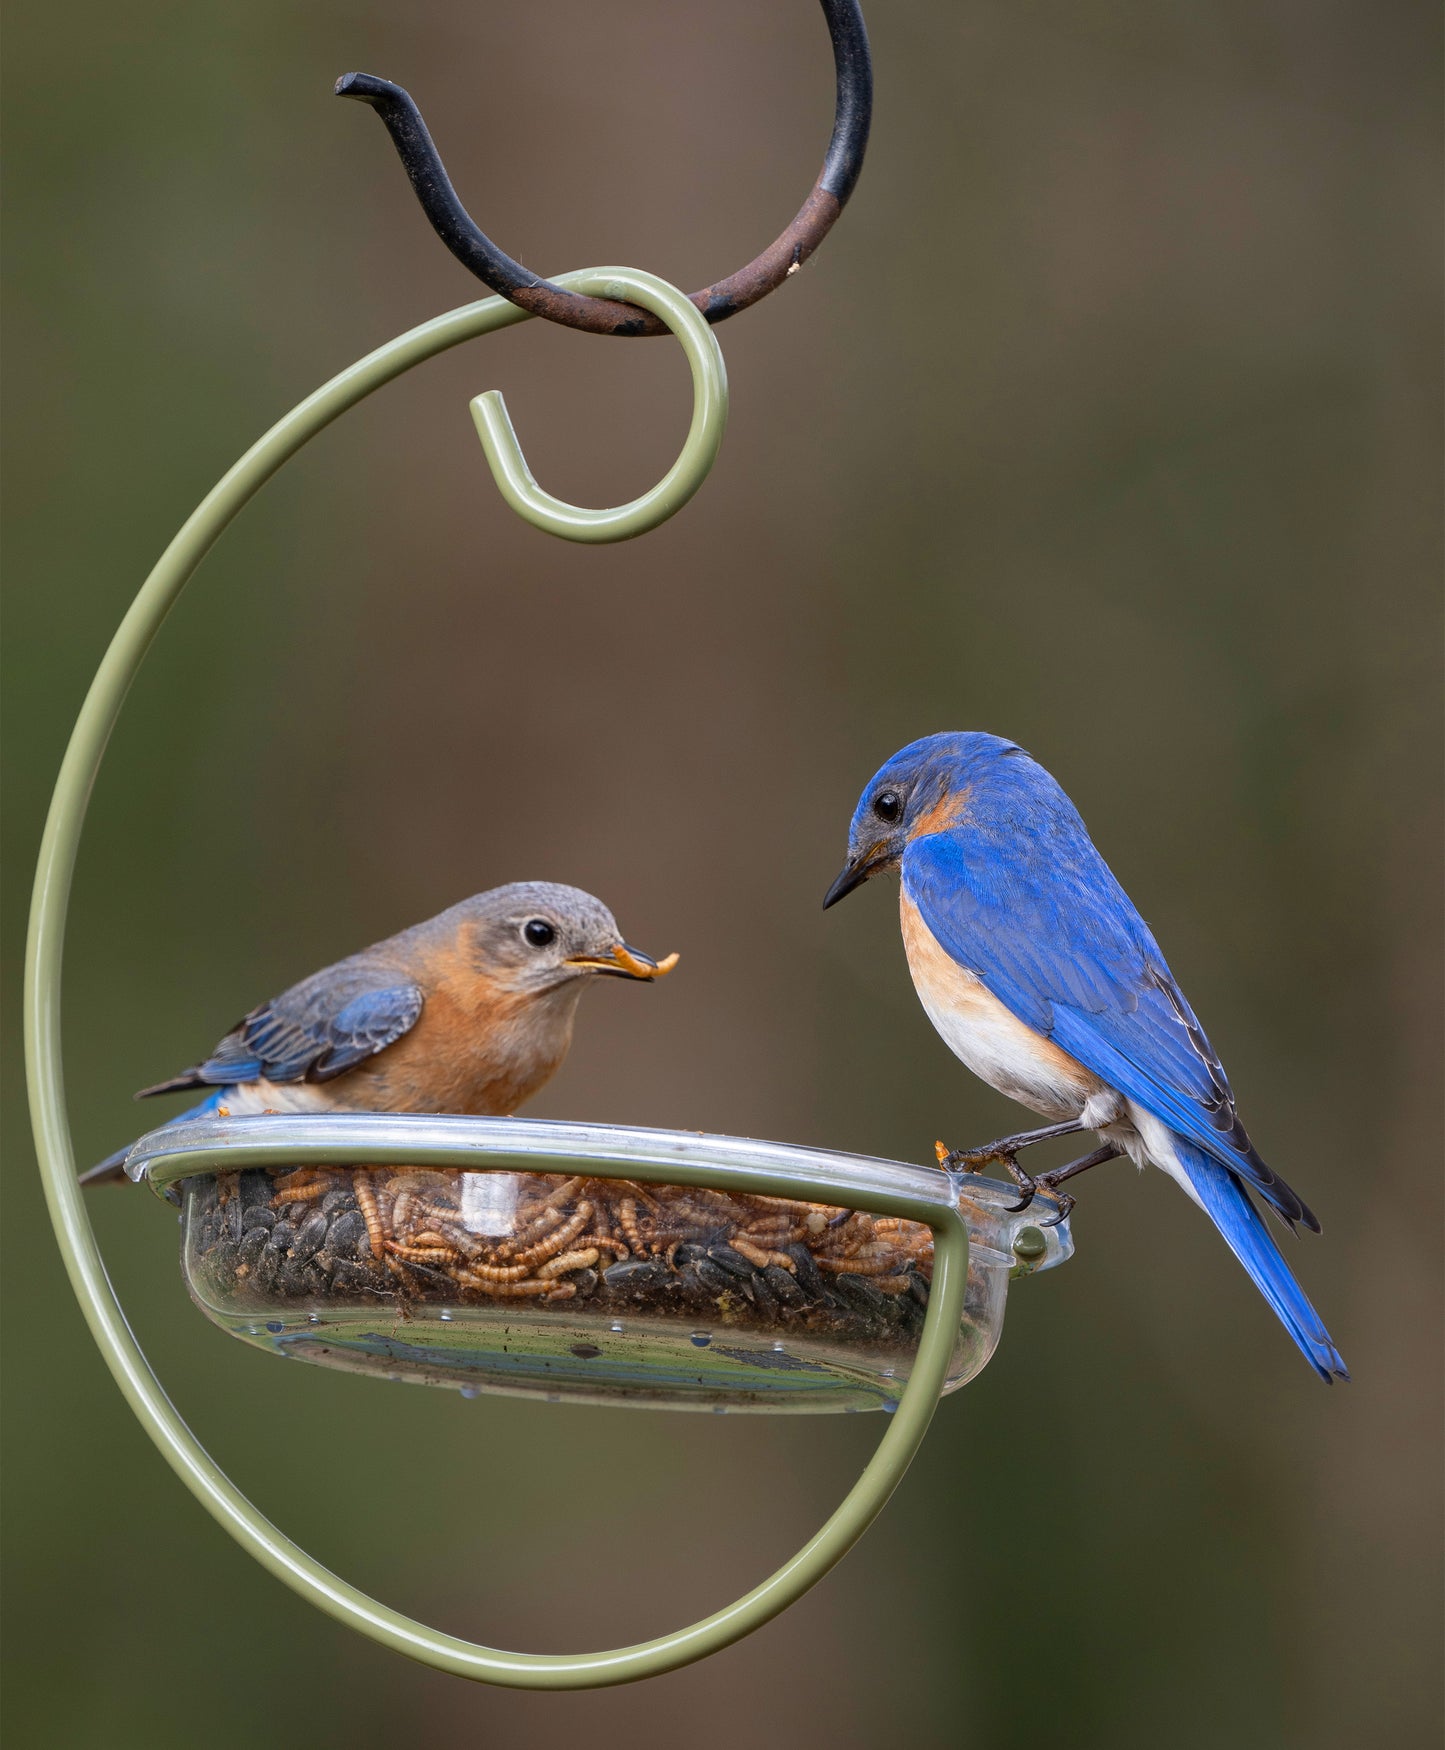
{"type": "Point", "coordinates": [357, 1234]}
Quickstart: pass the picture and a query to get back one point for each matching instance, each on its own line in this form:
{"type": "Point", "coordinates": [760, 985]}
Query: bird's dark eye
{"type": "Point", "coordinates": [539, 932]}
{"type": "Point", "coordinates": [888, 805]}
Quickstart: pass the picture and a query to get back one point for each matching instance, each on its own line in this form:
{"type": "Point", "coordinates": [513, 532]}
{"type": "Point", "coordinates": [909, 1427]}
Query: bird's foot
{"type": "Point", "coordinates": [1003, 1151]}
{"type": "Point", "coordinates": [969, 1160]}
{"type": "Point", "coordinates": [975, 1160]}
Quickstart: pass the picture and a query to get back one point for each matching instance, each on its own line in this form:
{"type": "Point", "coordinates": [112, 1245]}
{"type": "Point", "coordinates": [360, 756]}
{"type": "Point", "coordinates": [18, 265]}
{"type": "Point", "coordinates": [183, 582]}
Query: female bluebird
{"type": "Point", "coordinates": [1038, 972]}
{"type": "Point", "coordinates": [470, 1012]}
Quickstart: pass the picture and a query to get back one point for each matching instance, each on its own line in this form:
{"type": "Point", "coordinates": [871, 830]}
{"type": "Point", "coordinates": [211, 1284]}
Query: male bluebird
{"type": "Point", "coordinates": [470, 1012]}
{"type": "Point", "coordinates": [1038, 972]}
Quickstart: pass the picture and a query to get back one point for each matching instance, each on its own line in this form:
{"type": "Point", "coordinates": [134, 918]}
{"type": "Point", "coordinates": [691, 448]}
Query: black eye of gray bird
{"type": "Point", "coordinates": [888, 805]}
{"type": "Point", "coordinates": [539, 932]}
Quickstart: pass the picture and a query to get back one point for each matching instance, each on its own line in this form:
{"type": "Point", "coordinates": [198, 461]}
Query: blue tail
{"type": "Point", "coordinates": [1227, 1204]}
{"type": "Point", "coordinates": [113, 1166]}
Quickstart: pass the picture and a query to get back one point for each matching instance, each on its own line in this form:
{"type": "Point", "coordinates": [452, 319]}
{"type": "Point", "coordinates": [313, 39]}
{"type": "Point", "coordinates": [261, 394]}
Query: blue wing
{"type": "Point", "coordinates": [316, 1030]}
{"type": "Point", "coordinates": [1049, 931]}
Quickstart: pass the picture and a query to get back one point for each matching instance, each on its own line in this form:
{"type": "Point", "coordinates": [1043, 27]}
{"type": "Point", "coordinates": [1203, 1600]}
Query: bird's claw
{"type": "Point", "coordinates": [1066, 1203]}
{"type": "Point", "coordinates": [1047, 1183]}
{"type": "Point", "coordinates": [1026, 1183]}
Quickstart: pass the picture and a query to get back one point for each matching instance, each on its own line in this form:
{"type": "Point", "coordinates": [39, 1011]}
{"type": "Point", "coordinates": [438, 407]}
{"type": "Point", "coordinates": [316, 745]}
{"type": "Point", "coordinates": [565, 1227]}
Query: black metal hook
{"type": "Point", "coordinates": [452, 223]}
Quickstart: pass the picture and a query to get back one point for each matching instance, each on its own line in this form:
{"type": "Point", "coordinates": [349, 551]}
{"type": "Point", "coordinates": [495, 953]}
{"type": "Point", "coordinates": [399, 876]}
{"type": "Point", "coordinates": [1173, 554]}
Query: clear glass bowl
{"type": "Point", "coordinates": [523, 1278]}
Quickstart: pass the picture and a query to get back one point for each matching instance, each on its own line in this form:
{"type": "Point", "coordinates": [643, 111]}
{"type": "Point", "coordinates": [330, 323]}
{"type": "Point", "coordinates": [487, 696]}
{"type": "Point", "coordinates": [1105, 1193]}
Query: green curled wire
{"type": "Point", "coordinates": [687, 473]}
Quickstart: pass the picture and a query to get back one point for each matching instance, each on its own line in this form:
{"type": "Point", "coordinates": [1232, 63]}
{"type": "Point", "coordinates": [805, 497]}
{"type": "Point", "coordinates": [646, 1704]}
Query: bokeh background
{"type": "Point", "coordinates": [1107, 420]}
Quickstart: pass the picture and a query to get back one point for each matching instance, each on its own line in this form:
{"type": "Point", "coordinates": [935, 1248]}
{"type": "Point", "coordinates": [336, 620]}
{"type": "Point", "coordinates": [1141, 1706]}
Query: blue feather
{"type": "Point", "coordinates": [1041, 920]}
{"type": "Point", "coordinates": [318, 1029]}
{"type": "Point", "coordinates": [113, 1166]}
{"type": "Point", "coordinates": [1227, 1204]}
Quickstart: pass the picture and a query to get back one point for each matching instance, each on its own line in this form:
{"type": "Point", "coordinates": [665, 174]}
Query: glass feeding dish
{"type": "Point", "coordinates": [529, 1274]}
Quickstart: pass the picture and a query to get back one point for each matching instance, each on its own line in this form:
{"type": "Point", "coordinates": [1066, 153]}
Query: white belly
{"type": "Point", "coordinates": [992, 1042]}
{"type": "Point", "coordinates": [1011, 1057]}
{"type": "Point", "coordinates": [249, 1098]}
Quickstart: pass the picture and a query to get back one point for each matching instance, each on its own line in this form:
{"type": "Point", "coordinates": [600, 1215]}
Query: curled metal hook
{"type": "Point", "coordinates": [599, 315]}
{"type": "Point", "coordinates": [679, 315]}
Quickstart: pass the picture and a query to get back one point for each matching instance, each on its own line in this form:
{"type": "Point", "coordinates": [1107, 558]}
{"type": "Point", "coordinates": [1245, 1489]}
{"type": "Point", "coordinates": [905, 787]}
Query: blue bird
{"type": "Point", "coordinates": [1037, 971]}
{"type": "Point", "coordinates": [471, 1011]}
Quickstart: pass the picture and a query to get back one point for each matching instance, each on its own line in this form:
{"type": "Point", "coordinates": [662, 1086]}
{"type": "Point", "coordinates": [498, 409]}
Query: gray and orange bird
{"type": "Point", "coordinates": [470, 1012]}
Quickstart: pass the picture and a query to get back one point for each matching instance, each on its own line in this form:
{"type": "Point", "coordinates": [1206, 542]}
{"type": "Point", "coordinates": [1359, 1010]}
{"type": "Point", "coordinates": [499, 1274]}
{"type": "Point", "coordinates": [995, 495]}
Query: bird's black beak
{"type": "Point", "coordinates": [857, 871]}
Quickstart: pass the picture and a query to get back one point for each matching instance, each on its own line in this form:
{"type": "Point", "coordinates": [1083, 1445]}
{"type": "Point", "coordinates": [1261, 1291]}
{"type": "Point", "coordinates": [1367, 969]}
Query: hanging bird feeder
{"type": "Point", "coordinates": [584, 1261]}
{"type": "Point", "coordinates": [595, 1262]}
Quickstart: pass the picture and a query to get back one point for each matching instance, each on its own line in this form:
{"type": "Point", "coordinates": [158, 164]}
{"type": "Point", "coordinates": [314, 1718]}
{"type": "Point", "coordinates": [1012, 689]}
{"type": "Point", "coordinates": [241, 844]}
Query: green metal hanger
{"type": "Point", "coordinates": [699, 450]}
{"type": "Point", "coordinates": [79, 1248]}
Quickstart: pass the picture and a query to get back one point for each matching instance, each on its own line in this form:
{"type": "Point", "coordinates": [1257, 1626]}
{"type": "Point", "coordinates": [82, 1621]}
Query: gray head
{"type": "Point", "coordinates": [533, 936]}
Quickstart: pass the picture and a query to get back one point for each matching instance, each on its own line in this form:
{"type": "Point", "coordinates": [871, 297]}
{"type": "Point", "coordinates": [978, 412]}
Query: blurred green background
{"type": "Point", "coordinates": [1107, 420]}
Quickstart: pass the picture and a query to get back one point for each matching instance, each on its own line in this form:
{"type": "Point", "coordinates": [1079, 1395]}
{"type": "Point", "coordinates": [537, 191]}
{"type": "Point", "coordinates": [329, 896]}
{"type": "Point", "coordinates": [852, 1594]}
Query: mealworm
{"type": "Point", "coordinates": [758, 1256]}
{"type": "Point", "coordinates": [478, 1275]}
{"type": "Point", "coordinates": [385, 1201]}
{"type": "Point", "coordinates": [564, 1192]}
{"type": "Point", "coordinates": [861, 1265]}
{"type": "Point", "coordinates": [757, 1222]}
{"type": "Point", "coordinates": [297, 1177]}
{"type": "Point", "coordinates": [568, 1261]}
{"type": "Point", "coordinates": [530, 1289]}
{"type": "Point", "coordinates": [366, 1203]}
{"type": "Point", "coordinates": [789, 1206]}
{"type": "Point", "coordinates": [429, 1237]}
{"type": "Point", "coordinates": [607, 1243]}
{"type": "Point", "coordinates": [437, 1255]}
{"type": "Point", "coordinates": [418, 1178]}
{"type": "Point", "coordinates": [841, 1239]}
{"type": "Point", "coordinates": [530, 1232]}
{"type": "Point", "coordinates": [773, 1236]}
{"type": "Point", "coordinates": [704, 1209]}
{"type": "Point", "coordinates": [469, 1245]}
{"type": "Point", "coordinates": [627, 1219]}
{"type": "Point", "coordinates": [439, 1211]}
{"type": "Point", "coordinates": [558, 1240]}
{"type": "Point", "coordinates": [668, 1237]}
{"type": "Point", "coordinates": [301, 1193]}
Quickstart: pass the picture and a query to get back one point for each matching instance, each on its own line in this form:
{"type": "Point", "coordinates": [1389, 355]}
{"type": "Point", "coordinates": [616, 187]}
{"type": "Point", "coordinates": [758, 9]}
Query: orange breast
{"type": "Point", "coordinates": [477, 1047]}
{"type": "Point", "coordinates": [987, 1036]}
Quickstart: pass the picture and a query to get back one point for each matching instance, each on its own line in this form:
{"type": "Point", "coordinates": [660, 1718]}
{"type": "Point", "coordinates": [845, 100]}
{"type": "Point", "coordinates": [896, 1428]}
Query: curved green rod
{"type": "Point", "coordinates": [687, 473]}
{"type": "Point", "coordinates": [76, 1238]}
{"type": "Point", "coordinates": [275, 1551]}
